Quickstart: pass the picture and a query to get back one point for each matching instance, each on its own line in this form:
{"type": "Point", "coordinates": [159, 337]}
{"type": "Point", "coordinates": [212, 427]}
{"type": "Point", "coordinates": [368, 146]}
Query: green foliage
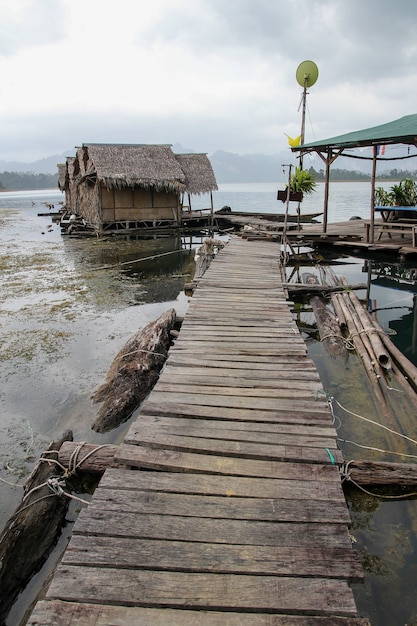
{"type": "Point", "coordinates": [349, 175]}
{"type": "Point", "coordinates": [27, 180]}
{"type": "Point", "coordinates": [303, 180]}
{"type": "Point", "coordinates": [402, 194]}
{"type": "Point", "coordinates": [339, 175]}
{"type": "Point", "coordinates": [383, 197]}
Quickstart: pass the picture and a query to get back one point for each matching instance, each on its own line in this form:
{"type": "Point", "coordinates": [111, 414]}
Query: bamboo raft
{"type": "Point", "coordinates": [227, 506]}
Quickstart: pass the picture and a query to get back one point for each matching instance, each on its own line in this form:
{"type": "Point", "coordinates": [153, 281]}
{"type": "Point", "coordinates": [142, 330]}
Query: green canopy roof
{"type": "Point", "coordinates": [403, 130]}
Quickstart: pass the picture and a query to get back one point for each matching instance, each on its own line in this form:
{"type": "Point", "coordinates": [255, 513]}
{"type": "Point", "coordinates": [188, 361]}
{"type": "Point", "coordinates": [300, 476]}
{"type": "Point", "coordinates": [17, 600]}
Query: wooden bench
{"type": "Point", "coordinates": [389, 227]}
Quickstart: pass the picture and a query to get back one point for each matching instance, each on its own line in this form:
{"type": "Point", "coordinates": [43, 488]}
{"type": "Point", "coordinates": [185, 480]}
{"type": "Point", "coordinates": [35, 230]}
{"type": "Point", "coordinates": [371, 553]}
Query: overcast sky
{"type": "Point", "coordinates": [208, 74]}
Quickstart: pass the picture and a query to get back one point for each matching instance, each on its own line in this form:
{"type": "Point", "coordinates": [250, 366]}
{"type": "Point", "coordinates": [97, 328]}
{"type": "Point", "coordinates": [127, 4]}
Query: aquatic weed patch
{"type": "Point", "coordinates": [23, 346]}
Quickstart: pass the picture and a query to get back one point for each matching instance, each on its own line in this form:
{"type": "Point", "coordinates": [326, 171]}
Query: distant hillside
{"type": "Point", "coordinates": [253, 168]}
{"type": "Point", "coordinates": [230, 167]}
{"type": "Point", "coordinates": [27, 180]}
{"type": "Point", "coordinates": [48, 165]}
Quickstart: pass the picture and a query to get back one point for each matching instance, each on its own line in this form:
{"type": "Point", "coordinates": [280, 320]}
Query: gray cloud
{"type": "Point", "coordinates": [31, 23]}
{"type": "Point", "coordinates": [207, 74]}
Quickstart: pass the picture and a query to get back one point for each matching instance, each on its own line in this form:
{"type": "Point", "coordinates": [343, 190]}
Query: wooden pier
{"type": "Point", "coordinates": [228, 507]}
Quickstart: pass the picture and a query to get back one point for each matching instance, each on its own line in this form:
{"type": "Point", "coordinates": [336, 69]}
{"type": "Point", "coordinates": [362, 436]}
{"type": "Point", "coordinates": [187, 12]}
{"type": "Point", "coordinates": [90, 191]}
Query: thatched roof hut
{"type": "Point", "coordinates": [131, 186]}
{"type": "Point", "coordinates": [199, 175]}
{"type": "Point", "coordinates": [118, 166]}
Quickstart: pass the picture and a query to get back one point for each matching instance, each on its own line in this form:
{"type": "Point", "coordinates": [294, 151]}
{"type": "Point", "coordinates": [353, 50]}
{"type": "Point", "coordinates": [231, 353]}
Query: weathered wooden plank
{"type": "Point", "coordinates": [251, 289]}
{"type": "Point", "coordinates": [253, 431]}
{"type": "Point", "coordinates": [252, 334]}
{"type": "Point", "coordinates": [279, 415]}
{"type": "Point", "coordinates": [281, 372]}
{"type": "Point", "coordinates": [206, 530]}
{"type": "Point", "coordinates": [154, 438]}
{"type": "Point", "coordinates": [270, 315]}
{"type": "Point", "coordinates": [196, 330]}
{"type": "Point", "coordinates": [225, 507]}
{"type": "Point", "coordinates": [147, 428]}
{"type": "Point", "coordinates": [228, 396]}
{"type": "Point", "coordinates": [235, 310]}
{"type": "Point", "coordinates": [251, 282]}
{"type": "Point", "coordinates": [280, 341]}
{"type": "Point", "coordinates": [183, 556]}
{"type": "Point", "coordinates": [180, 461]}
{"type": "Point", "coordinates": [194, 322]}
{"type": "Point", "coordinates": [58, 613]}
{"type": "Point", "coordinates": [254, 352]}
{"type": "Point", "coordinates": [251, 304]}
{"type": "Point", "coordinates": [263, 364]}
{"type": "Point", "coordinates": [176, 380]}
{"type": "Point", "coordinates": [218, 485]}
{"type": "Point", "coordinates": [288, 405]}
{"type": "Point", "coordinates": [214, 591]}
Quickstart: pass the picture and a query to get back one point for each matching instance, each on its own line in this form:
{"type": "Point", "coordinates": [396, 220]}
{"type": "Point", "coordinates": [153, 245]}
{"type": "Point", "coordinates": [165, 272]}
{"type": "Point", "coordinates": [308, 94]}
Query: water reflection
{"type": "Point", "coordinates": [133, 271]}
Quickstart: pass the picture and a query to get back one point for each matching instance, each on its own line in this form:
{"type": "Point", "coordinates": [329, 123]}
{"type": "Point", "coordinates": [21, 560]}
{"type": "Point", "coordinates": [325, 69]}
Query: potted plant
{"type": "Point", "coordinates": [301, 182]}
{"type": "Point", "coordinates": [402, 194]}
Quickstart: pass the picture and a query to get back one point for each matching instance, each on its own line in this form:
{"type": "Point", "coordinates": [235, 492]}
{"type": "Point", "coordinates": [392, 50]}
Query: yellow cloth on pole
{"type": "Point", "coordinates": [293, 141]}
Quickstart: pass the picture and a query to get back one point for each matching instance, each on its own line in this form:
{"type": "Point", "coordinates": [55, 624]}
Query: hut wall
{"type": "Point", "coordinates": [138, 205]}
{"type": "Point", "coordinates": [87, 204]}
{"type": "Point", "coordinates": [70, 187]}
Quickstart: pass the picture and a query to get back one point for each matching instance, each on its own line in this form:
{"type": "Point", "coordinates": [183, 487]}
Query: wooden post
{"type": "Point", "coordinates": [372, 228]}
{"type": "Point", "coordinates": [326, 192]}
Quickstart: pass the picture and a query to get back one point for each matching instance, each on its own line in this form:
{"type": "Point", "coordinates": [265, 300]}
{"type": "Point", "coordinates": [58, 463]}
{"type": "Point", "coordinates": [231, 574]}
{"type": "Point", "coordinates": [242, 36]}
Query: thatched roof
{"type": "Point", "coordinates": [119, 166]}
{"type": "Point", "coordinates": [199, 175]}
{"type": "Point", "coordinates": [62, 170]}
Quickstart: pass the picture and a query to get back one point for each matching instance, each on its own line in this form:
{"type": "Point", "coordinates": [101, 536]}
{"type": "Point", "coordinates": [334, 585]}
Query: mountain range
{"type": "Point", "coordinates": [228, 166]}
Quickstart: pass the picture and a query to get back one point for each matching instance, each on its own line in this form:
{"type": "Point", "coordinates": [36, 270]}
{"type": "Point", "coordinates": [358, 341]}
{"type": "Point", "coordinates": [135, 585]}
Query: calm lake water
{"type": "Point", "coordinates": [68, 305]}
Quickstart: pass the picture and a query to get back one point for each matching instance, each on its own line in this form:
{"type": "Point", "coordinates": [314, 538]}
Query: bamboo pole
{"type": "Point", "coordinates": [371, 332]}
{"type": "Point", "coordinates": [362, 352]}
{"type": "Point", "coordinates": [339, 312]}
{"type": "Point", "coordinates": [407, 368]}
{"type": "Point", "coordinates": [368, 329]}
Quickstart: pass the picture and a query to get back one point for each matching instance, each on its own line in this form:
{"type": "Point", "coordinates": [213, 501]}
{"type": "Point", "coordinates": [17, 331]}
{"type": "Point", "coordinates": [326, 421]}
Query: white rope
{"type": "Point", "coordinates": [7, 482]}
{"type": "Point", "coordinates": [142, 350]}
{"type": "Point", "coordinates": [366, 419]}
{"type": "Point", "coordinates": [354, 443]}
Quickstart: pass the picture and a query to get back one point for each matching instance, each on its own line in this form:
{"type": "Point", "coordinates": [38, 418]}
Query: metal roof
{"type": "Point", "coordinates": [403, 130]}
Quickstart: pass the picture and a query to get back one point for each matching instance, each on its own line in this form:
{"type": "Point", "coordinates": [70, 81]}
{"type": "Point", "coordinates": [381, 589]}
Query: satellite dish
{"type": "Point", "coordinates": [307, 73]}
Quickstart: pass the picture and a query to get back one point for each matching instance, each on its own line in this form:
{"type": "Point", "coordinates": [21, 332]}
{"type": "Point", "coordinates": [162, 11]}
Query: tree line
{"type": "Point", "coordinates": [22, 181]}
{"type": "Point", "coordinates": [349, 175]}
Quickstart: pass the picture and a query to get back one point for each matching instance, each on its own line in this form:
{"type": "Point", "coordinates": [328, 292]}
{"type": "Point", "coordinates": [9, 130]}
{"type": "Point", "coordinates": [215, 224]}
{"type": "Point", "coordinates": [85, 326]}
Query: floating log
{"type": "Point", "coordinates": [382, 473]}
{"type": "Point", "coordinates": [203, 258]}
{"type": "Point", "coordinates": [133, 373]}
{"type": "Point", "coordinates": [32, 531]}
{"type": "Point", "coordinates": [305, 289]}
{"type": "Point", "coordinates": [205, 254]}
{"type": "Point", "coordinates": [99, 458]}
{"type": "Point", "coordinates": [327, 323]}
{"type": "Point", "coordinates": [87, 457]}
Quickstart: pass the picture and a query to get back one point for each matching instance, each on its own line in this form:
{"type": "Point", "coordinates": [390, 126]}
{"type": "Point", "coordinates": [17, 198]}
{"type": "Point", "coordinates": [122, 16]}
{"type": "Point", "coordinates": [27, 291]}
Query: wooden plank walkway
{"type": "Point", "coordinates": [230, 509]}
